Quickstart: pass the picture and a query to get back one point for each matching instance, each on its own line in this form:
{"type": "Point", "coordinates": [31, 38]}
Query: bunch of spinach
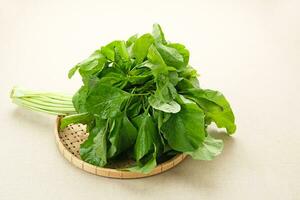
{"type": "Point", "coordinates": [141, 98]}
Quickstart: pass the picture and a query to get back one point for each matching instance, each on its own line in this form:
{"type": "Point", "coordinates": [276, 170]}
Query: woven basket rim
{"type": "Point", "coordinates": [109, 172]}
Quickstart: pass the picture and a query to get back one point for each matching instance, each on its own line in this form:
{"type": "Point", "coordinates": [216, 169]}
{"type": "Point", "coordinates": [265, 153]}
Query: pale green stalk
{"type": "Point", "coordinates": [46, 102]}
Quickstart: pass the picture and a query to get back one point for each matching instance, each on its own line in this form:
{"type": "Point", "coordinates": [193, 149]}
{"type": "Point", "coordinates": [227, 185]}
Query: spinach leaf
{"type": "Point", "coordinates": [135, 108]}
{"type": "Point", "coordinates": [117, 54]}
{"type": "Point", "coordinates": [79, 99]}
{"type": "Point", "coordinates": [216, 107]}
{"type": "Point", "coordinates": [105, 100]}
{"type": "Point", "coordinates": [173, 77]}
{"type": "Point", "coordinates": [122, 136]}
{"type": "Point", "coordinates": [94, 149]}
{"type": "Point", "coordinates": [188, 73]}
{"type": "Point", "coordinates": [122, 58]}
{"type": "Point", "coordinates": [166, 106]}
{"type": "Point", "coordinates": [208, 149]}
{"type": "Point", "coordinates": [185, 84]}
{"type": "Point", "coordinates": [146, 166]}
{"type": "Point", "coordinates": [89, 67]}
{"type": "Point", "coordinates": [158, 34]}
{"type": "Point", "coordinates": [73, 70]}
{"type": "Point", "coordinates": [141, 46]}
{"type": "Point", "coordinates": [113, 76]}
{"type": "Point", "coordinates": [161, 117]}
{"type": "Point", "coordinates": [184, 130]}
{"type": "Point", "coordinates": [170, 55]}
{"type": "Point", "coordinates": [84, 118]}
{"type": "Point", "coordinates": [147, 138]}
{"type": "Point", "coordinates": [163, 98]}
{"type": "Point", "coordinates": [131, 40]}
{"type": "Point", "coordinates": [139, 76]}
{"type": "Point", "coordinates": [155, 58]}
{"type": "Point", "coordinates": [183, 51]}
{"type": "Point", "coordinates": [108, 52]}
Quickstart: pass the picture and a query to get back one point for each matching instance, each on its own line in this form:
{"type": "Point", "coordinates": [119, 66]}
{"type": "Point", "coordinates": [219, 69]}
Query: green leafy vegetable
{"type": "Point", "coordinates": [122, 136]}
{"type": "Point", "coordinates": [216, 107]}
{"type": "Point", "coordinates": [145, 167]}
{"type": "Point", "coordinates": [140, 98]}
{"type": "Point", "coordinates": [84, 118]}
{"type": "Point", "coordinates": [94, 149]}
{"type": "Point", "coordinates": [171, 56]}
{"type": "Point", "coordinates": [208, 149]}
{"type": "Point", "coordinates": [158, 34]}
{"type": "Point", "coordinates": [105, 100]}
{"type": "Point", "coordinates": [184, 130]}
{"type": "Point", "coordinates": [148, 138]}
{"type": "Point", "coordinates": [141, 46]}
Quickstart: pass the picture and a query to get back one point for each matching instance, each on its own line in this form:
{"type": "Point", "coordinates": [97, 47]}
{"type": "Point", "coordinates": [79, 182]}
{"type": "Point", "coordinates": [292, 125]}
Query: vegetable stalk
{"type": "Point", "coordinates": [45, 102]}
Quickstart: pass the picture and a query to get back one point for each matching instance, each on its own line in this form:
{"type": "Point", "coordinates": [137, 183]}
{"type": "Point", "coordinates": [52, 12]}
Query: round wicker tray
{"type": "Point", "coordinates": [69, 140]}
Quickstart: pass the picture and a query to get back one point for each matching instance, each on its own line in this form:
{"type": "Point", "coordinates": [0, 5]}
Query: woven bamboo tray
{"type": "Point", "coordinates": [69, 140]}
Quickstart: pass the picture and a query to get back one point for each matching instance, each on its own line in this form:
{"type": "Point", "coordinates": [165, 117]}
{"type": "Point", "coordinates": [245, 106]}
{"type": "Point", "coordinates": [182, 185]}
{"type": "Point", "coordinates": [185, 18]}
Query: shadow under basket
{"type": "Point", "coordinates": [69, 140]}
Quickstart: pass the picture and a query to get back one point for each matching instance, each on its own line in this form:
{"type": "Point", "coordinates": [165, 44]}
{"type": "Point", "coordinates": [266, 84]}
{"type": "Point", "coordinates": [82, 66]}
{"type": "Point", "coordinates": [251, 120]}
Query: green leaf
{"type": "Point", "coordinates": [145, 167]}
{"type": "Point", "coordinates": [184, 130]}
{"type": "Point", "coordinates": [158, 34]}
{"type": "Point", "coordinates": [113, 76]}
{"type": "Point", "coordinates": [185, 84]}
{"type": "Point", "coordinates": [130, 43]}
{"type": "Point", "coordinates": [94, 149]}
{"type": "Point", "coordinates": [134, 109]}
{"type": "Point", "coordinates": [173, 77]}
{"type": "Point", "coordinates": [95, 62]}
{"type": "Point", "coordinates": [163, 98]}
{"type": "Point", "coordinates": [90, 66]}
{"type": "Point", "coordinates": [73, 71]}
{"type": "Point", "coordinates": [139, 76]}
{"type": "Point", "coordinates": [183, 51]}
{"type": "Point", "coordinates": [216, 107]}
{"type": "Point", "coordinates": [83, 118]}
{"type": "Point", "coordinates": [116, 52]}
{"type": "Point", "coordinates": [108, 52]}
{"type": "Point", "coordinates": [141, 46]}
{"type": "Point", "coordinates": [79, 99]}
{"type": "Point", "coordinates": [171, 56]}
{"type": "Point", "coordinates": [122, 136]}
{"type": "Point", "coordinates": [154, 56]}
{"type": "Point", "coordinates": [169, 107]}
{"type": "Point", "coordinates": [208, 149]}
{"type": "Point", "coordinates": [131, 40]}
{"type": "Point", "coordinates": [188, 73]}
{"type": "Point", "coordinates": [161, 117]}
{"type": "Point", "coordinates": [105, 100]}
{"type": "Point", "coordinates": [147, 138]}
{"type": "Point", "coordinates": [121, 51]}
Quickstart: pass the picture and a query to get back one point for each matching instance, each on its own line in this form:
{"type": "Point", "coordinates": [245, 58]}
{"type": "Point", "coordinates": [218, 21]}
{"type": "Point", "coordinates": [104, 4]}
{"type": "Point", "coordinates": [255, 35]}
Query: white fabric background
{"type": "Point", "coordinates": [249, 50]}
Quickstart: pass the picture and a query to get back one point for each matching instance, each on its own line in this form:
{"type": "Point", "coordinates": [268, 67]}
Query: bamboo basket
{"type": "Point", "coordinates": [69, 140]}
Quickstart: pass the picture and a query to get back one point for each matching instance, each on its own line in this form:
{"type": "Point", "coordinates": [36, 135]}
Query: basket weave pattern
{"type": "Point", "coordinates": [69, 140]}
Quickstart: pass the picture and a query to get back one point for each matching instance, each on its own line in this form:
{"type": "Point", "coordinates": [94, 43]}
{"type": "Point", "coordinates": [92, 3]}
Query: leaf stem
{"type": "Point", "coordinates": [46, 102]}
